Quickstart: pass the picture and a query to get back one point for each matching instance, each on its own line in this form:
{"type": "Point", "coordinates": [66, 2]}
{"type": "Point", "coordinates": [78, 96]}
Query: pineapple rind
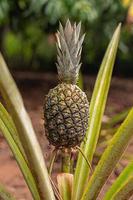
{"type": "Point", "coordinates": [66, 114]}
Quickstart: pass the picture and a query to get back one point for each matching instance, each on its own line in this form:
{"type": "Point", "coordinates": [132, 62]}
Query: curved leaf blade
{"type": "Point", "coordinates": [110, 158]}
{"type": "Point", "coordinates": [18, 155]}
{"type": "Point", "coordinates": [116, 119]}
{"type": "Point", "coordinates": [11, 126]}
{"type": "Point", "coordinates": [126, 191]}
{"type": "Point", "coordinates": [119, 182]}
{"type": "Point", "coordinates": [4, 194]}
{"type": "Point", "coordinates": [26, 132]}
{"type": "Point", "coordinates": [97, 107]}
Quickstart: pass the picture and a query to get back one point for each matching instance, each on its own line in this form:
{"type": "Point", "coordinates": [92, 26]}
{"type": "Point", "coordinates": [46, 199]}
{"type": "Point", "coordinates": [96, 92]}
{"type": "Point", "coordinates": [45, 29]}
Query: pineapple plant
{"type": "Point", "coordinates": [20, 135]}
{"type": "Point", "coordinates": [66, 108]}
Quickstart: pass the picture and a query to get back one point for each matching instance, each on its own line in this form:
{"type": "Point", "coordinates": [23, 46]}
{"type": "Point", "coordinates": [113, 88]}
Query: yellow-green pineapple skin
{"type": "Point", "coordinates": [66, 113]}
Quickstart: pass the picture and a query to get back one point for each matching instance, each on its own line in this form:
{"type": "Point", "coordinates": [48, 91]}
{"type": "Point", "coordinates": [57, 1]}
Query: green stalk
{"type": "Point", "coordinates": [97, 107]}
{"type": "Point", "coordinates": [4, 194]}
{"type": "Point", "coordinates": [66, 161]}
{"type": "Point", "coordinates": [126, 191]}
{"type": "Point", "coordinates": [119, 182]}
{"type": "Point", "coordinates": [26, 132]}
{"type": "Point", "coordinates": [110, 158]}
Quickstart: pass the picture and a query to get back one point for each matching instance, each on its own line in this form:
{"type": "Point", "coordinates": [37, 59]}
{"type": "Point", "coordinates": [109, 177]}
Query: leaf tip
{"type": "Point", "coordinates": [118, 29]}
{"type": "Point", "coordinates": [119, 25]}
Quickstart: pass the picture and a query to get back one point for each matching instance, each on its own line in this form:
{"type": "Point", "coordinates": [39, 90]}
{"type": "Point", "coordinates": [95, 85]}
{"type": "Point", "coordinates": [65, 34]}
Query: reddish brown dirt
{"type": "Point", "coordinates": [33, 88]}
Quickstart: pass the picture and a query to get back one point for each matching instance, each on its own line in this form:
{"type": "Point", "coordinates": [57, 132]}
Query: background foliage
{"type": "Point", "coordinates": [28, 26]}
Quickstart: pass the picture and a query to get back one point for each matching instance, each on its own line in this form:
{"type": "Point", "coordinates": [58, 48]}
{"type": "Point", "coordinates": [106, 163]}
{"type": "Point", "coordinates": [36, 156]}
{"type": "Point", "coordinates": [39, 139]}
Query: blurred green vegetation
{"type": "Point", "coordinates": [28, 26]}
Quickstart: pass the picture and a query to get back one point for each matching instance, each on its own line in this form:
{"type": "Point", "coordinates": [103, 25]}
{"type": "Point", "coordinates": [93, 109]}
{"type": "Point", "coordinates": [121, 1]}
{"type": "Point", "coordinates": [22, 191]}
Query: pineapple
{"type": "Point", "coordinates": [66, 106]}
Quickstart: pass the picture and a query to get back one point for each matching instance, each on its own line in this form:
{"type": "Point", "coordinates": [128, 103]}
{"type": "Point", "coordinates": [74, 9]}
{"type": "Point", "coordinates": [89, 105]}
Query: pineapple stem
{"type": "Point", "coordinates": [87, 161]}
{"type": "Point", "coordinates": [72, 162]}
{"type": "Point", "coordinates": [66, 161]}
{"type": "Point", "coordinates": [53, 156]}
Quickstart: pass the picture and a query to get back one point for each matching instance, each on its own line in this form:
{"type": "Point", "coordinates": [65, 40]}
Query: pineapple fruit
{"type": "Point", "coordinates": [66, 108]}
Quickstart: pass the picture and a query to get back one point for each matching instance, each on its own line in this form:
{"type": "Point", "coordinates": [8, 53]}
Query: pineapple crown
{"type": "Point", "coordinates": [69, 48]}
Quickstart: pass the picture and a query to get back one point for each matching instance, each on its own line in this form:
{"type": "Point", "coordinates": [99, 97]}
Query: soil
{"type": "Point", "coordinates": [34, 87]}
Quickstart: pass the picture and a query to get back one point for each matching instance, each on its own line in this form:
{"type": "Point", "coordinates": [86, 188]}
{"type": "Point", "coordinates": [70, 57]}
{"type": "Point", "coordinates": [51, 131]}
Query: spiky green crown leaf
{"type": "Point", "coordinates": [69, 47]}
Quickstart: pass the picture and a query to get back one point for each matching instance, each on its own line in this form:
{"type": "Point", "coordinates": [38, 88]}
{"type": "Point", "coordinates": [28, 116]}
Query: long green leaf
{"type": "Point", "coordinates": [126, 191]}
{"type": "Point", "coordinates": [17, 154]}
{"type": "Point", "coordinates": [119, 182]}
{"type": "Point", "coordinates": [118, 118]}
{"type": "Point", "coordinates": [11, 126]}
{"type": "Point", "coordinates": [4, 194]}
{"type": "Point", "coordinates": [97, 107]}
{"type": "Point", "coordinates": [26, 132]}
{"type": "Point", "coordinates": [110, 158]}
